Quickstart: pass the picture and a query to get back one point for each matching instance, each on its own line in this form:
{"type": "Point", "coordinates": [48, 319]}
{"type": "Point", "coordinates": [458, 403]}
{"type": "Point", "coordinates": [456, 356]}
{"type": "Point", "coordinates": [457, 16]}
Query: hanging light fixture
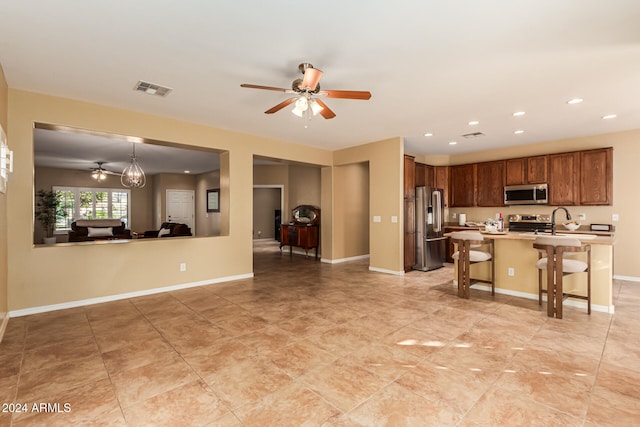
{"type": "Point", "coordinates": [133, 175]}
{"type": "Point", "coordinates": [305, 107]}
{"type": "Point", "coordinates": [99, 174]}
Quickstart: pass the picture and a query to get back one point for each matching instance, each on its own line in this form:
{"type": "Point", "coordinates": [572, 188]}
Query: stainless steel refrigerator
{"type": "Point", "coordinates": [431, 249]}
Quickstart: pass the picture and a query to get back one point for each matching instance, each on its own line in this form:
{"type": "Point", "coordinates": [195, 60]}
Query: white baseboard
{"type": "Point", "coordinates": [3, 324]}
{"type": "Point", "coordinates": [568, 302]}
{"type": "Point", "coordinates": [90, 301]}
{"type": "Point", "coordinates": [627, 278]}
{"type": "Point", "coordinates": [341, 260]}
{"type": "Point", "coordinates": [384, 270]}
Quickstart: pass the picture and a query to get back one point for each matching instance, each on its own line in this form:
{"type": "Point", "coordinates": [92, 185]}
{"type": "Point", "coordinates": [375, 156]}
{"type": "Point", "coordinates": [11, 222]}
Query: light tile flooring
{"type": "Point", "coordinates": [306, 343]}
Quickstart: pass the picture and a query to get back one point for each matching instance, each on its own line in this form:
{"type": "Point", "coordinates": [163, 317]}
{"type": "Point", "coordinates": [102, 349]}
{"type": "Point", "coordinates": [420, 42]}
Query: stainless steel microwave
{"type": "Point", "coordinates": [528, 194]}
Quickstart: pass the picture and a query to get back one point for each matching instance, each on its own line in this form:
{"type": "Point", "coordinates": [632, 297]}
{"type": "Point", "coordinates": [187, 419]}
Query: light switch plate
{"type": "Point", "coordinates": [615, 217]}
{"type": "Point", "coordinates": [377, 218]}
{"type": "Point", "coordinates": [394, 219]}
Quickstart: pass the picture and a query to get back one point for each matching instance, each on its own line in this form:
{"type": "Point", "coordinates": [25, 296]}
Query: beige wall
{"type": "Point", "coordinates": [3, 211]}
{"type": "Point", "coordinates": [353, 225]}
{"type": "Point", "coordinates": [626, 203]}
{"type": "Point", "coordinates": [207, 223]}
{"type": "Point", "coordinates": [39, 276]}
{"type": "Point", "coordinates": [265, 202]}
{"type": "Point", "coordinates": [385, 160]}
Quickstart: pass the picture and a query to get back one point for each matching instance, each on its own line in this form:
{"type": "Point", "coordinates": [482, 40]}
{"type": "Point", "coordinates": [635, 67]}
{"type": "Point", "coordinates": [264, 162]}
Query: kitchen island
{"type": "Point", "coordinates": [516, 273]}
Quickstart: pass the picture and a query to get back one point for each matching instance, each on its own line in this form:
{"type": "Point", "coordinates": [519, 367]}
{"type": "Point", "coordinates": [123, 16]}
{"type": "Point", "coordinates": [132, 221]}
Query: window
{"type": "Point", "coordinates": [91, 203]}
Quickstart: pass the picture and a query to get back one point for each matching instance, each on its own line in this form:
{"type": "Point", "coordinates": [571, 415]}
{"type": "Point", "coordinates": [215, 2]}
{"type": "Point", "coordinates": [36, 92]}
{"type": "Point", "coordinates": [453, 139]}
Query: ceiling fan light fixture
{"type": "Point", "coordinates": [315, 107]}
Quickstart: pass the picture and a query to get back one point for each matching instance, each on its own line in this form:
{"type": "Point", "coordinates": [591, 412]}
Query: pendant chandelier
{"type": "Point", "coordinates": [133, 175]}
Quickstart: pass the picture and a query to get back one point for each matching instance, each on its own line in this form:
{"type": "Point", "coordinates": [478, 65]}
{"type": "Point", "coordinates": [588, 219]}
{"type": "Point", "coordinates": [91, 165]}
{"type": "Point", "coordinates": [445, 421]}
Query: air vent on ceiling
{"type": "Point", "coordinates": [152, 88]}
{"type": "Point", "coordinates": [473, 135]}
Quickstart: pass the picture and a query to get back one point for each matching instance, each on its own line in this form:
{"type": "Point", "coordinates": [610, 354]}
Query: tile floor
{"type": "Point", "coordinates": [306, 343]}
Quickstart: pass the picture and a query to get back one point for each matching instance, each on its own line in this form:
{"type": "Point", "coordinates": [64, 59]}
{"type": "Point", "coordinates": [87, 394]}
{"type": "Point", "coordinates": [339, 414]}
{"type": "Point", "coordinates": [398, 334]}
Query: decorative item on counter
{"type": "Point", "coordinates": [571, 225]}
{"type": "Point", "coordinates": [490, 225]}
{"type": "Point", "coordinates": [500, 223]}
{"type": "Point", "coordinates": [462, 219]}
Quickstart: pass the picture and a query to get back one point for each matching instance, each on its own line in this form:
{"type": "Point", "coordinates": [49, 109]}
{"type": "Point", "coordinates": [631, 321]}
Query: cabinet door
{"type": "Point", "coordinates": [463, 186]}
{"type": "Point", "coordinates": [564, 185]}
{"type": "Point", "coordinates": [409, 234]}
{"type": "Point", "coordinates": [537, 170]}
{"type": "Point", "coordinates": [441, 180]}
{"type": "Point", "coordinates": [490, 176]}
{"type": "Point", "coordinates": [516, 171]}
{"type": "Point", "coordinates": [596, 177]}
{"type": "Point", "coordinates": [420, 174]}
{"type": "Point", "coordinates": [409, 177]}
{"type": "Point", "coordinates": [428, 176]}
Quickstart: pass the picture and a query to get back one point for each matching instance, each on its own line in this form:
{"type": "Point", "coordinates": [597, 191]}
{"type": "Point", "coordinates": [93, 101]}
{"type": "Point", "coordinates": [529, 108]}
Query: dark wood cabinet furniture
{"type": "Point", "coordinates": [441, 180]}
{"type": "Point", "coordinates": [490, 183]}
{"type": "Point", "coordinates": [409, 212]}
{"type": "Point", "coordinates": [303, 231]}
{"type": "Point", "coordinates": [526, 170]}
{"type": "Point", "coordinates": [462, 186]}
{"type": "Point", "coordinates": [596, 177]}
{"type": "Point", "coordinates": [537, 170]}
{"type": "Point", "coordinates": [424, 175]}
{"type": "Point", "coordinates": [564, 179]}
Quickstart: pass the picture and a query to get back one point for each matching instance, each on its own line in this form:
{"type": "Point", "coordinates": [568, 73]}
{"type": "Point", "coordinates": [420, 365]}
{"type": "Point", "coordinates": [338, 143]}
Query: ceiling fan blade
{"type": "Point", "coordinates": [281, 105]}
{"type": "Point", "coordinates": [311, 78]}
{"type": "Point", "coordinates": [278, 89]}
{"type": "Point", "coordinates": [346, 94]}
{"type": "Point", "coordinates": [326, 111]}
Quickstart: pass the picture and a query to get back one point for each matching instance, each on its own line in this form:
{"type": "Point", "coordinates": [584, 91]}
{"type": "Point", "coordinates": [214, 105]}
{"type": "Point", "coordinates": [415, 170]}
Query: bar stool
{"type": "Point", "coordinates": [468, 243]}
{"type": "Point", "coordinates": [555, 248]}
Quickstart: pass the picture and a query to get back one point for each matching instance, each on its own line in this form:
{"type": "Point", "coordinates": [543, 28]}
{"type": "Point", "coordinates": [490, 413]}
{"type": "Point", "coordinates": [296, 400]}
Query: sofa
{"type": "Point", "coordinates": [88, 230]}
{"type": "Point", "coordinates": [169, 229]}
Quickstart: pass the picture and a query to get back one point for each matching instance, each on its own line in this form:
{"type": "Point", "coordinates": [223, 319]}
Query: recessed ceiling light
{"type": "Point", "coordinates": [519, 113]}
{"type": "Point", "coordinates": [428, 134]}
{"type": "Point", "coordinates": [575, 101]}
{"type": "Point", "coordinates": [518, 132]}
{"type": "Point", "coordinates": [453, 143]}
{"type": "Point", "coordinates": [187, 171]}
{"type": "Point", "coordinates": [473, 122]}
{"type": "Point", "coordinates": [609, 116]}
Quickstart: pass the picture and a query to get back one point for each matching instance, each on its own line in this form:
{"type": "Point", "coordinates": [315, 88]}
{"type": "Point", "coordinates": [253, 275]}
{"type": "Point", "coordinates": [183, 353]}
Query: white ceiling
{"type": "Point", "coordinates": [431, 66]}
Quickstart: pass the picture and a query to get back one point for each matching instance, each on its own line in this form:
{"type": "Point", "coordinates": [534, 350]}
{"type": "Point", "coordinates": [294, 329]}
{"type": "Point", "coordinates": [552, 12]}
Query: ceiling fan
{"type": "Point", "coordinates": [307, 93]}
{"type": "Point", "coordinates": [99, 173]}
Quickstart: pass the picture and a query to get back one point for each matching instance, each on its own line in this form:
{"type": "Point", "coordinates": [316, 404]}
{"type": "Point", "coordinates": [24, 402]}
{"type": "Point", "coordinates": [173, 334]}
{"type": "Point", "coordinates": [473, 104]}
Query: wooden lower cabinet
{"type": "Point", "coordinates": [300, 236]}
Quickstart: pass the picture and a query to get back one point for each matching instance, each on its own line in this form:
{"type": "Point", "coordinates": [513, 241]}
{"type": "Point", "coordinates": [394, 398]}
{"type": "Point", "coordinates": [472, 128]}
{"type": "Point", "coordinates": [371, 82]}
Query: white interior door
{"type": "Point", "coordinates": [180, 207]}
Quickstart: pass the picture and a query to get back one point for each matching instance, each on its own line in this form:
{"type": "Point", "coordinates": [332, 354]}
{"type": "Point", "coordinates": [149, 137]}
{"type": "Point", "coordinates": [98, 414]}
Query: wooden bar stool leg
{"type": "Point", "coordinates": [551, 288]}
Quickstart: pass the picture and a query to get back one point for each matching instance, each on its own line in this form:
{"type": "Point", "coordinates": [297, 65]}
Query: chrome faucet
{"type": "Point", "coordinates": [553, 218]}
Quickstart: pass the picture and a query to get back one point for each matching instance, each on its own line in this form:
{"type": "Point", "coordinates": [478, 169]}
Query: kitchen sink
{"type": "Point", "coordinates": [574, 235]}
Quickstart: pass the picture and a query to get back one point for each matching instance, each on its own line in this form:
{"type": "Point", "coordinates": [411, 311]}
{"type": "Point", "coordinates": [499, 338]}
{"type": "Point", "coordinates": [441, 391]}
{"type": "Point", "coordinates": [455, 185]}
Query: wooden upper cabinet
{"type": "Point", "coordinates": [526, 170]}
{"type": "Point", "coordinates": [441, 180]}
{"type": "Point", "coordinates": [516, 170]}
{"type": "Point", "coordinates": [596, 177]}
{"type": "Point", "coordinates": [429, 178]}
{"type": "Point", "coordinates": [409, 177]}
{"type": "Point", "coordinates": [564, 179]}
{"type": "Point", "coordinates": [490, 183]}
{"type": "Point", "coordinates": [462, 186]}
{"type": "Point", "coordinates": [537, 170]}
{"type": "Point", "coordinates": [420, 174]}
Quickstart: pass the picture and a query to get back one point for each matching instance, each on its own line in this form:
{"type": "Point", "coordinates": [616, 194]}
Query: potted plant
{"type": "Point", "coordinates": [47, 209]}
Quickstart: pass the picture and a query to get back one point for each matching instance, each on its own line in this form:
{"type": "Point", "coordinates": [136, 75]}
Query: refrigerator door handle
{"type": "Point", "coordinates": [436, 201]}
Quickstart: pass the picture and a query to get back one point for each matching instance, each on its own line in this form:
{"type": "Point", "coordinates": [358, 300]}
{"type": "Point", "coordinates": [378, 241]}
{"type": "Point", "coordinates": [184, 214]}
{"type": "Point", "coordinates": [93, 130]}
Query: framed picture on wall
{"type": "Point", "coordinates": [213, 200]}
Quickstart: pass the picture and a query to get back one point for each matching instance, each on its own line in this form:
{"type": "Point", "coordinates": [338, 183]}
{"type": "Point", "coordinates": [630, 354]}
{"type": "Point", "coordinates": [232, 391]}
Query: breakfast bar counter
{"type": "Point", "coordinates": [516, 272]}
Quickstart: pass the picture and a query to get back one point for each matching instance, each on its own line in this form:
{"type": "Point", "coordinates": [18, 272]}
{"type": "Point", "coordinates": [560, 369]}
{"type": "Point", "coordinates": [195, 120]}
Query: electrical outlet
{"type": "Point", "coordinates": [511, 271]}
{"type": "Point", "coordinates": [453, 215]}
{"type": "Point", "coordinates": [582, 217]}
{"type": "Point", "coordinates": [615, 217]}
{"type": "Point", "coordinates": [394, 219]}
{"type": "Point", "coordinates": [377, 218]}
{"type": "Point", "coordinates": [183, 266]}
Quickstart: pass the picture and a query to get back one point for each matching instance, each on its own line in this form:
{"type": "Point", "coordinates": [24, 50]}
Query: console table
{"type": "Point", "coordinates": [303, 231]}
